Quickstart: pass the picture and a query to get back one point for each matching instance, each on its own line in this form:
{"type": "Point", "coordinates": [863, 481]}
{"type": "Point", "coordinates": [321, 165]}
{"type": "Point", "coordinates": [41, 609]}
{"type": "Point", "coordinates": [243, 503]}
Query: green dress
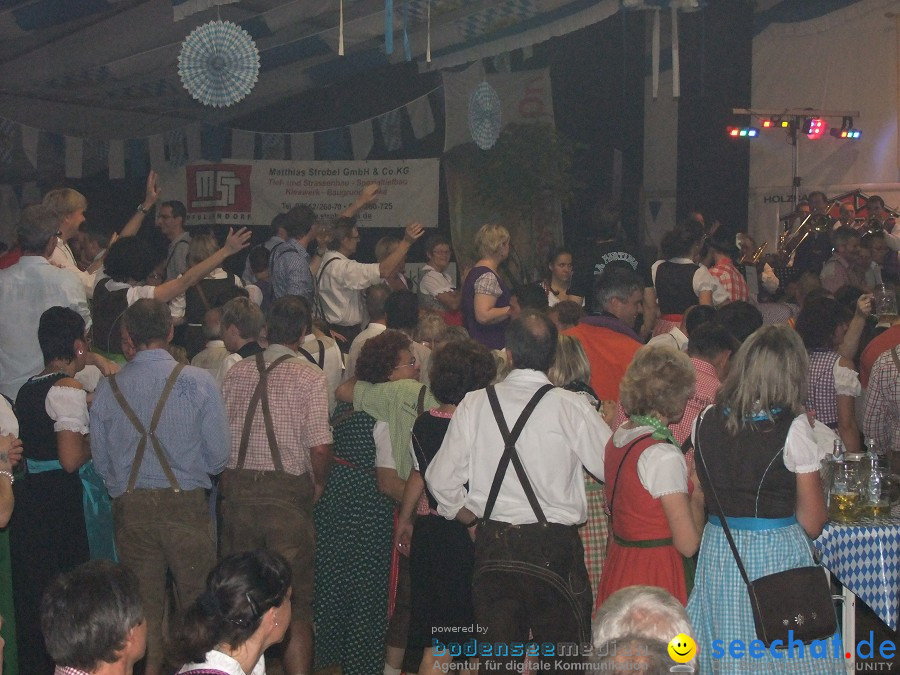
{"type": "Point", "coordinates": [354, 541]}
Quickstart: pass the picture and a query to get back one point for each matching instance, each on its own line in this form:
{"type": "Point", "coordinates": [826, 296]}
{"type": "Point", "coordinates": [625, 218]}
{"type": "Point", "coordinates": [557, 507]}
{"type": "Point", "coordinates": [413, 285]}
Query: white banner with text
{"type": "Point", "coordinates": [245, 192]}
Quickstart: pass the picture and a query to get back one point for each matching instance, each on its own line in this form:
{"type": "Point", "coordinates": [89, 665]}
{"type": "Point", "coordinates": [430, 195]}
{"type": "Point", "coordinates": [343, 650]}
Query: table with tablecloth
{"type": "Point", "coordinates": [864, 555]}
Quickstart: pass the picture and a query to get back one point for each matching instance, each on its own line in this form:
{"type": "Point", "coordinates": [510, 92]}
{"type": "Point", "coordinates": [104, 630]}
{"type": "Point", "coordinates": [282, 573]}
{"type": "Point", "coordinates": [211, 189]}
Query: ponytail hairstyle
{"type": "Point", "coordinates": [239, 591]}
{"type": "Point", "coordinates": [677, 243]}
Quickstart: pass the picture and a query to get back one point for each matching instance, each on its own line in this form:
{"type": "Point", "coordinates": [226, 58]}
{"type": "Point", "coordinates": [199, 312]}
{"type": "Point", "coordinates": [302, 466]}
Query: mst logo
{"type": "Point", "coordinates": [224, 188]}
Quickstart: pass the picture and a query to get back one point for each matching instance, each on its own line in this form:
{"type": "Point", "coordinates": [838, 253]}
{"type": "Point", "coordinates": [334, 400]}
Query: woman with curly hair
{"type": "Point", "coordinates": [655, 520]}
{"type": "Point", "coordinates": [355, 522]}
{"type": "Point", "coordinates": [127, 268]}
{"type": "Point", "coordinates": [245, 609]}
{"type": "Point", "coordinates": [441, 552]}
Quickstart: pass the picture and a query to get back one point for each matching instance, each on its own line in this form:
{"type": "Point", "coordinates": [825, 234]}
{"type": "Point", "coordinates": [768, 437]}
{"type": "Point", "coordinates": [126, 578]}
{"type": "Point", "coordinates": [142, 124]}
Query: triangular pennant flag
{"type": "Point", "coordinates": [272, 146]}
{"type": "Point", "coordinates": [176, 150]}
{"type": "Point", "coordinates": [9, 137]}
{"type": "Point", "coordinates": [420, 117]}
{"type": "Point", "coordinates": [157, 149]}
{"type": "Point", "coordinates": [303, 146]}
{"type": "Point", "coordinates": [243, 144]}
{"type": "Point", "coordinates": [654, 207]}
{"type": "Point", "coordinates": [30, 144]}
{"type": "Point", "coordinates": [392, 130]}
{"type": "Point", "coordinates": [363, 139]}
{"type": "Point", "coordinates": [116, 159]}
{"type": "Point", "coordinates": [194, 151]}
{"type": "Point", "coordinates": [74, 157]}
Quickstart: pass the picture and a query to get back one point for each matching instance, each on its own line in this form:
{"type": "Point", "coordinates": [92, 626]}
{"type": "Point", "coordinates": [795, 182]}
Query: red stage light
{"type": "Point", "coordinates": [814, 128]}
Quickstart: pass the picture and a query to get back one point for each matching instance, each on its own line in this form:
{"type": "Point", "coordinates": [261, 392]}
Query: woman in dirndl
{"type": "Point", "coordinates": [756, 447]}
{"type": "Point", "coordinates": [655, 518]}
{"type": "Point", "coordinates": [681, 281]}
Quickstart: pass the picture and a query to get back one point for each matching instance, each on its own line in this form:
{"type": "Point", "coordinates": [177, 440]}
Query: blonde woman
{"type": "Point", "coordinates": [756, 447]}
{"type": "Point", "coordinates": [214, 290]}
{"type": "Point", "coordinates": [485, 297]}
{"type": "Point", "coordinates": [655, 519]}
{"type": "Point", "coordinates": [571, 370]}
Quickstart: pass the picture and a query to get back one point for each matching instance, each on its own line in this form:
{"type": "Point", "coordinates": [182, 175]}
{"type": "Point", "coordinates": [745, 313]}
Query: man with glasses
{"type": "Point", "coordinates": [170, 218]}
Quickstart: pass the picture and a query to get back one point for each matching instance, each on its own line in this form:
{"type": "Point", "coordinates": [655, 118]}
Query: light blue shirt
{"type": "Point", "coordinates": [193, 429]}
{"type": "Point", "coordinates": [289, 269]}
{"type": "Point", "coordinates": [27, 290]}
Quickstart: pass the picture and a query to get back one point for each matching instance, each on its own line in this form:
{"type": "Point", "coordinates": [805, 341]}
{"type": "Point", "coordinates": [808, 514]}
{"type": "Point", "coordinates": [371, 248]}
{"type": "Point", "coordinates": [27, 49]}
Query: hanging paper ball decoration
{"type": "Point", "coordinates": [484, 116]}
{"type": "Point", "coordinates": [219, 63]}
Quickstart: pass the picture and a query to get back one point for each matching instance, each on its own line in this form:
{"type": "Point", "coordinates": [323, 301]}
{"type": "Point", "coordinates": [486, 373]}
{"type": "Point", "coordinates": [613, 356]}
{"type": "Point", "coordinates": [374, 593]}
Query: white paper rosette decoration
{"type": "Point", "coordinates": [219, 63]}
{"type": "Point", "coordinates": [484, 116]}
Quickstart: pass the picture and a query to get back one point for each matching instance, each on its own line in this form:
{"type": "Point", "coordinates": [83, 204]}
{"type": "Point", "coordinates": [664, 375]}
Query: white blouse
{"type": "Point", "coordinates": [219, 661]}
{"type": "Point", "coordinates": [846, 381]}
{"type": "Point", "coordinates": [661, 467]}
{"type": "Point", "coordinates": [801, 451]}
{"type": "Point", "coordinates": [68, 409]}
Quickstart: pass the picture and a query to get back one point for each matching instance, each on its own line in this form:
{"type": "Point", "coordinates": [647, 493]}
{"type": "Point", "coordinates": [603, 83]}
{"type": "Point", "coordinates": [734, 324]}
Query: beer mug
{"type": "Point", "coordinates": [885, 304]}
{"type": "Point", "coordinates": [844, 492]}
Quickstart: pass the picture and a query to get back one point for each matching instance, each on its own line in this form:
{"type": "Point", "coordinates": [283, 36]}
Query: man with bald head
{"type": "Point", "coordinates": [529, 569]}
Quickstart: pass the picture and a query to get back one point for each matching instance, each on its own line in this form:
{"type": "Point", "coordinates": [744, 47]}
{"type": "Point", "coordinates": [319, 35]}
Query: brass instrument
{"type": "Point", "coordinates": [871, 226]}
{"type": "Point", "coordinates": [755, 257]}
{"type": "Point", "coordinates": [813, 224]}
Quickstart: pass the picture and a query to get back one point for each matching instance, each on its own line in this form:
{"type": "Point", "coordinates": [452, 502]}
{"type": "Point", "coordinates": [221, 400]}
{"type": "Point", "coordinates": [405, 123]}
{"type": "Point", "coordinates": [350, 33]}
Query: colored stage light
{"type": "Point", "coordinates": [743, 132]}
{"type": "Point", "coordinates": [774, 123]}
{"type": "Point", "coordinates": [846, 132]}
{"type": "Point", "coordinates": [814, 128]}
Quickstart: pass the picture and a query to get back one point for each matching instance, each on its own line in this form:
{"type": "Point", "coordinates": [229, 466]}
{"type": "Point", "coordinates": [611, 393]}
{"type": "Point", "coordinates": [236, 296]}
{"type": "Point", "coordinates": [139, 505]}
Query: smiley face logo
{"type": "Point", "coordinates": [682, 648]}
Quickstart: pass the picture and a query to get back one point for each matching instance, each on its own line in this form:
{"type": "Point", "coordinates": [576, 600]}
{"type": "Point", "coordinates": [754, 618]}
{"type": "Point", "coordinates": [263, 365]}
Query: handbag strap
{"type": "Point", "coordinates": [420, 401]}
{"type": "Point", "coordinates": [615, 482]}
{"type": "Point", "coordinates": [510, 454]}
{"type": "Point", "coordinates": [722, 517]}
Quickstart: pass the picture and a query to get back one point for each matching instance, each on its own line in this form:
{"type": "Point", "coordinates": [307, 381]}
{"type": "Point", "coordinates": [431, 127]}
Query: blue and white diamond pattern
{"type": "Point", "coordinates": [865, 557]}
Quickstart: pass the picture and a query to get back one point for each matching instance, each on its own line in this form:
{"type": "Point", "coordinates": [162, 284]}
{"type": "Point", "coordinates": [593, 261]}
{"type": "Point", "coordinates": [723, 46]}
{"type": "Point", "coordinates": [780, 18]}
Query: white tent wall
{"type": "Point", "coordinates": [843, 60]}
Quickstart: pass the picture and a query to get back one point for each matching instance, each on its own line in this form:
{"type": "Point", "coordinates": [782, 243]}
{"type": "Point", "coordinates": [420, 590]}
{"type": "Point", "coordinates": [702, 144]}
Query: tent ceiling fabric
{"type": "Point", "coordinates": [108, 69]}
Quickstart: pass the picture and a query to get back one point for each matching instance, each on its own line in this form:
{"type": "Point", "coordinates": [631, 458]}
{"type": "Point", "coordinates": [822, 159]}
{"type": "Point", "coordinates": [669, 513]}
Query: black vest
{"type": "Point", "coordinates": [744, 466]}
{"type": "Point", "coordinates": [107, 309]}
{"type": "Point", "coordinates": [675, 287]}
{"type": "Point", "coordinates": [35, 425]}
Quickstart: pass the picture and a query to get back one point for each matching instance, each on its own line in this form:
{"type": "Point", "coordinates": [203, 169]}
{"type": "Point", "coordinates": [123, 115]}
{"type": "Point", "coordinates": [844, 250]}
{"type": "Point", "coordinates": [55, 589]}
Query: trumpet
{"type": "Point", "coordinates": [755, 257]}
{"type": "Point", "coordinates": [813, 224]}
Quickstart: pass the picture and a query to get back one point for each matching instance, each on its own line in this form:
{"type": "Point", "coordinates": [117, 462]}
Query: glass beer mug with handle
{"type": "Point", "coordinates": [844, 492]}
{"type": "Point", "coordinates": [885, 304]}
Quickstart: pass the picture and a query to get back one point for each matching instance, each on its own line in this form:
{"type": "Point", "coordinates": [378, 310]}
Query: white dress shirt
{"type": "Point", "coordinates": [340, 283]}
{"type": "Point", "coordinates": [333, 365]}
{"type": "Point", "coordinates": [563, 434]}
{"type": "Point", "coordinates": [27, 290]}
{"type": "Point", "coordinates": [356, 346]}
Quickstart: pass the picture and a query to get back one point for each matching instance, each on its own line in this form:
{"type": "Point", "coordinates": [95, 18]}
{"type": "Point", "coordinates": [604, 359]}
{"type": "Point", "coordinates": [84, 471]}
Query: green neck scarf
{"type": "Point", "coordinates": [660, 431]}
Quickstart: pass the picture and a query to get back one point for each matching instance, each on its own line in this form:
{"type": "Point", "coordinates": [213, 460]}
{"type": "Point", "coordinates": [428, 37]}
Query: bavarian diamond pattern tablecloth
{"type": "Point", "coordinates": [865, 557]}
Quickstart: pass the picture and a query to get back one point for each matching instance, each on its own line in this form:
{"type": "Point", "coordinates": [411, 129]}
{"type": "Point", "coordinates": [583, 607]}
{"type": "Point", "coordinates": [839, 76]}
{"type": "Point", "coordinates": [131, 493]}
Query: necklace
{"type": "Point", "coordinates": [660, 431]}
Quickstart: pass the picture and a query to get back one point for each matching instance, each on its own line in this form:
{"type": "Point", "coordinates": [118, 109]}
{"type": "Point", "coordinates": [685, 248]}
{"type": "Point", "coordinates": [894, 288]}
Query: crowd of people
{"type": "Point", "coordinates": [327, 461]}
